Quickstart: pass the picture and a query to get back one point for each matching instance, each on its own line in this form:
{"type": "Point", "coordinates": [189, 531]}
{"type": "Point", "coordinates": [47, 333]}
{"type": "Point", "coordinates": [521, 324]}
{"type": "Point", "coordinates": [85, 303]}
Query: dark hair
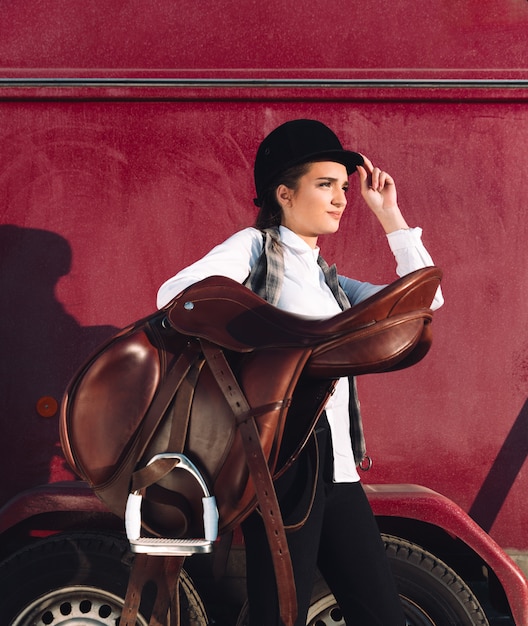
{"type": "Point", "coordinates": [270, 213]}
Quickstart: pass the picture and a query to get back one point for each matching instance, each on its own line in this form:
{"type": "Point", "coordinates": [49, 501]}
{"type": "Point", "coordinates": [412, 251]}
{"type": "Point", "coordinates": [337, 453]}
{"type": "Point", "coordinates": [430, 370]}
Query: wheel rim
{"type": "Point", "coordinates": [325, 612]}
{"type": "Point", "coordinates": [74, 606]}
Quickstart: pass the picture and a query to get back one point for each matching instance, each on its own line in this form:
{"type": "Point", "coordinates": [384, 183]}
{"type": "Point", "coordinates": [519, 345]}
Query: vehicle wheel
{"type": "Point", "coordinates": [432, 594]}
{"type": "Point", "coordinates": [78, 578]}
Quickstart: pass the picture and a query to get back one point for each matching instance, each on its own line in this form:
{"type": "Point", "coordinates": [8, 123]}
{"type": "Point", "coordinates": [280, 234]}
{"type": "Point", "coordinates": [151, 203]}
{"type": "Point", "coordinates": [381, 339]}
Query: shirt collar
{"type": "Point", "coordinates": [296, 243]}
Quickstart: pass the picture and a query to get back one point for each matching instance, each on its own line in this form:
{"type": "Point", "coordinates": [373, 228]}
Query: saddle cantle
{"type": "Point", "coordinates": [219, 376]}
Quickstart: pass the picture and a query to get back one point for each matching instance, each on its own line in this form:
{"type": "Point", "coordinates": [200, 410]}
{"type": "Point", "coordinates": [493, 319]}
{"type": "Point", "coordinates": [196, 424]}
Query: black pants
{"type": "Point", "coordinates": [340, 537]}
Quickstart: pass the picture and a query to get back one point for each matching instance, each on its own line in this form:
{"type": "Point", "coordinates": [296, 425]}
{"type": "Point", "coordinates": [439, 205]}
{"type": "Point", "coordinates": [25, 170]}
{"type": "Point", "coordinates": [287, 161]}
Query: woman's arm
{"type": "Point", "coordinates": [379, 192]}
{"type": "Point", "coordinates": [410, 254]}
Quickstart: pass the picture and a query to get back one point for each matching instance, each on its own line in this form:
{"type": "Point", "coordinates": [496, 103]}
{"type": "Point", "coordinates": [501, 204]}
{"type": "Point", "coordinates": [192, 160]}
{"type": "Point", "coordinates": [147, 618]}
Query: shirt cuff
{"type": "Point", "coordinates": [404, 238]}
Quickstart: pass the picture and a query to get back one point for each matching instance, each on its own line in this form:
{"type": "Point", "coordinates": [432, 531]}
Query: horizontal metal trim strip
{"type": "Point", "coordinates": [338, 83]}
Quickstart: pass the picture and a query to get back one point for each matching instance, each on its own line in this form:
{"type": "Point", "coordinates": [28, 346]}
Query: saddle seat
{"type": "Point", "coordinates": [220, 310]}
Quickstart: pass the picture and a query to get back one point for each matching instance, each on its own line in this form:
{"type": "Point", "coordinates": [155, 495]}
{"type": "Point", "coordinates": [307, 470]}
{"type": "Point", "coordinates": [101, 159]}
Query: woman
{"type": "Point", "coordinates": [301, 178]}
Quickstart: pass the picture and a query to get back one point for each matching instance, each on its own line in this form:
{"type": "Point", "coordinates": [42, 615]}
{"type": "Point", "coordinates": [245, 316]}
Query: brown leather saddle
{"type": "Point", "coordinates": [182, 420]}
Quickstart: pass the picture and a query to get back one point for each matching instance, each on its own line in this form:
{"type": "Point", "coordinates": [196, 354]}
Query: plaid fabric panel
{"type": "Point", "coordinates": [330, 274]}
{"type": "Point", "coordinates": [266, 276]}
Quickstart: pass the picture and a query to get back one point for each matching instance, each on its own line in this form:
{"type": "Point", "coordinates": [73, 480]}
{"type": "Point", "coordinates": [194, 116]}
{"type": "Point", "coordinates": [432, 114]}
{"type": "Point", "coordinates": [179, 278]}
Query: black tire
{"type": "Point", "coordinates": [432, 593]}
{"type": "Point", "coordinates": [59, 580]}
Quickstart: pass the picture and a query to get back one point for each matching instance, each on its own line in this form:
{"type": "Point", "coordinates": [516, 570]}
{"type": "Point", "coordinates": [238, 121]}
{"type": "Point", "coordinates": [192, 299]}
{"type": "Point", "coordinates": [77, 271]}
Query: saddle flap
{"type": "Point", "coordinates": [105, 405]}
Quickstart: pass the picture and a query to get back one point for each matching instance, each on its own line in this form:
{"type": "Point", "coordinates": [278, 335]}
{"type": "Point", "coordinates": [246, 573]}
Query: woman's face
{"type": "Point", "coordinates": [315, 207]}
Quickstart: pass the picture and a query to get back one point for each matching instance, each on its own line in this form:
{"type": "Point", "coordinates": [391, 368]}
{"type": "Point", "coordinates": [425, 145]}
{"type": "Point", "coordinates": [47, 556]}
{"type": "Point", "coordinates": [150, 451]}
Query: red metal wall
{"type": "Point", "coordinates": [344, 37]}
{"type": "Point", "coordinates": [108, 189]}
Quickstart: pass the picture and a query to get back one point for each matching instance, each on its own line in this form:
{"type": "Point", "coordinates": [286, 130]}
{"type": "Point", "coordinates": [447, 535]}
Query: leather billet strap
{"type": "Point", "coordinates": [164, 572]}
{"type": "Point", "coordinates": [149, 474]}
{"type": "Point", "coordinates": [176, 374]}
{"type": "Point", "coordinates": [263, 483]}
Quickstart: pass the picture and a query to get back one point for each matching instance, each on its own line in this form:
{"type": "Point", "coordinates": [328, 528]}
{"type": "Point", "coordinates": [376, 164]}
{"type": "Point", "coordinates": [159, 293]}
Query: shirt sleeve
{"type": "Point", "coordinates": [233, 258]}
{"type": "Point", "coordinates": [410, 255]}
{"type": "Point", "coordinates": [357, 290]}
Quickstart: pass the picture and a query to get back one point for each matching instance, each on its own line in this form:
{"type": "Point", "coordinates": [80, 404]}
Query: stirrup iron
{"type": "Point", "coordinates": [164, 546]}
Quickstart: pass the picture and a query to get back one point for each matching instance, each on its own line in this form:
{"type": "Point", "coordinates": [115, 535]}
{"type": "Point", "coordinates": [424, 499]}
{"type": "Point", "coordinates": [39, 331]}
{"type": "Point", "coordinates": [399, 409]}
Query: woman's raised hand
{"type": "Point", "coordinates": [379, 192]}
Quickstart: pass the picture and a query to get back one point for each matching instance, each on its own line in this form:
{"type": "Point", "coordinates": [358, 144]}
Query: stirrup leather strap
{"type": "Point", "coordinates": [262, 480]}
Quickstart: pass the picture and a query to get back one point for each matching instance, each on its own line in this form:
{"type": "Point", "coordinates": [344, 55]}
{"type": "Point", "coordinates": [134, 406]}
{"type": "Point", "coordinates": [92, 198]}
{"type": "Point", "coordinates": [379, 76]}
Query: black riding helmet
{"type": "Point", "coordinates": [296, 142]}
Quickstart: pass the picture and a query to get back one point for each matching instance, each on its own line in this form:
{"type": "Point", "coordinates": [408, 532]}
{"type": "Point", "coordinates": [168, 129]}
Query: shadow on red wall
{"type": "Point", "coordinates": [41, 346]}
